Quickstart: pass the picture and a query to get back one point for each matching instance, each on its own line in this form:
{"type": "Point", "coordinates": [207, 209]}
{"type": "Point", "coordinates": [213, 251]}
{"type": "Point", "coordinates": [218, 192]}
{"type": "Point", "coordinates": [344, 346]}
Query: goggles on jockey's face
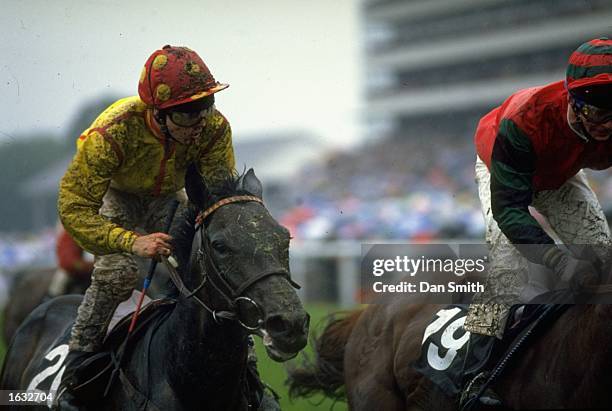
{"type": "Point", "coordinates": [600, 113]}
{"type": "Point", "coordinates": [187, 119]}
{"type": "Point", "coordinates": [594, 114]}
{"type": "Point", "coordinates": [192, 114]}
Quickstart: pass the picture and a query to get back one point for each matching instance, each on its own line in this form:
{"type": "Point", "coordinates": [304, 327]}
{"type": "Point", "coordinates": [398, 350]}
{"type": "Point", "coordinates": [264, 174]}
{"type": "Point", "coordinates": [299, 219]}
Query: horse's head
{"type": "Point", "coordinates": [242, 256]}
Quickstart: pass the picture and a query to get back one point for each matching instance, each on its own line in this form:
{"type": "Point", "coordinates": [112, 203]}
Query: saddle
{"type": "Point", "coordinates": [446, 360]}
{"type": "Point", "coordinates": [96, 371]}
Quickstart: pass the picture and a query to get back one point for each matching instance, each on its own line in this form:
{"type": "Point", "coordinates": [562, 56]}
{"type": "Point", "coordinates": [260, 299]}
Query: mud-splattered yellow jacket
{"type": "Point", "coordinates": [121, 150]}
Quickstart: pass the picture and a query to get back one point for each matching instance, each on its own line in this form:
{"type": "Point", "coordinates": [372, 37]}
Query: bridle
{"type": "Point", "coordinates": [233, 296]}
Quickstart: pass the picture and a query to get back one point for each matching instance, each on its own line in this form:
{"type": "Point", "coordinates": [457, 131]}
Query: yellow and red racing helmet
{"type": "Point", "coordinates": [175, 75]}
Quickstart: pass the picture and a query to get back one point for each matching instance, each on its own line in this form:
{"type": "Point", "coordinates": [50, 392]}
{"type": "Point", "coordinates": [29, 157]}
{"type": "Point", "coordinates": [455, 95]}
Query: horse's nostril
{"type": "Point", "coordinates": [276, 325]}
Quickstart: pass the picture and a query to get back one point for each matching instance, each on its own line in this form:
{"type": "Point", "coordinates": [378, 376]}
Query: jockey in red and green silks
{"type": "Point", "coordinates": [531, 152]}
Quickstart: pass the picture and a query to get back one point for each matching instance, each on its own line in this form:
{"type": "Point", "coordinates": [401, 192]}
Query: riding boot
{"type": "Point", "coordinates": [66, 399]}
{"type": "Point", "coordinates": [260, 393]}
{"type": "Point", "coordinates": [474, 391]}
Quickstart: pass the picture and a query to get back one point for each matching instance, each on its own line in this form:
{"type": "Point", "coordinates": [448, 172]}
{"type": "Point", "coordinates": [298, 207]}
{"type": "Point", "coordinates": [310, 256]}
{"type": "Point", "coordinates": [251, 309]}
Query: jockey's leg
{"type": "Point", "coordinates": [506, 280]}
{"type": "Point", "coordinates": [112, 281]}
{"type": "Point", "coordinates": [508, 272]}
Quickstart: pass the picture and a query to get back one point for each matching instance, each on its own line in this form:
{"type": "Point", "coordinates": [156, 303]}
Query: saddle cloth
{"type": "Point", "coordinates": [47, 371]}
{"type": "Point", "coordinates": [445, 358]}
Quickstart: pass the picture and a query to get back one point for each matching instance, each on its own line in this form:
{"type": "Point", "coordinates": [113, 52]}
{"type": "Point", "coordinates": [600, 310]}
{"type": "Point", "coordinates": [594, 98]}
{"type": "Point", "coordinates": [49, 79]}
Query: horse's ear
{"type": "Point", "coordinates": [249, 182]}
{"type": "Point", "coordinates": [196, 187]}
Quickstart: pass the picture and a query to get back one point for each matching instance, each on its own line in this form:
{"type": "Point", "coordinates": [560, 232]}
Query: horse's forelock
{"type": "Point", "coordinates": [225, 184]}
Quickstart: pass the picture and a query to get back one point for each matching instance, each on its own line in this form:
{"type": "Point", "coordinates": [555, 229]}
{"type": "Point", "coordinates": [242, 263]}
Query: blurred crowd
{"type": "Point", "coordinates": [27, 249]}
{"type": "Point", "coordinates": [399, 188]}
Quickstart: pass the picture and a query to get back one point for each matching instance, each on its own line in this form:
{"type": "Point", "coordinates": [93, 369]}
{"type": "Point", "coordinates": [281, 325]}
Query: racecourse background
{"type": "Point", "coordinates": [357, 115]}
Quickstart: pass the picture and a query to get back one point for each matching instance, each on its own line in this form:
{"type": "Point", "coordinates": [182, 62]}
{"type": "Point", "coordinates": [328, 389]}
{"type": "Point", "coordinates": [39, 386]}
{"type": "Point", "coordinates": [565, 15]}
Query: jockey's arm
{"type": "Point", "coordinates": [512, 169]}
{"type": "Point", "coordinates": [80, 197]}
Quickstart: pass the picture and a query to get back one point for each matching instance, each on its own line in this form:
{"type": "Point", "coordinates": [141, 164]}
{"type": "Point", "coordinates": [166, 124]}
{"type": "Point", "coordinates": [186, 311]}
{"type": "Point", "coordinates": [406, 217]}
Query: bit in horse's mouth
{"type": "Point", "coordinates": [273, 351]}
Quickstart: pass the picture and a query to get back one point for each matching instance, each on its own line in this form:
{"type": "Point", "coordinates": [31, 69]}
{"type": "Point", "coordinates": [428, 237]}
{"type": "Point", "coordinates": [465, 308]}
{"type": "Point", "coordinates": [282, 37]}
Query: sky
{"type": "Point", "coordinates": [291, 64]}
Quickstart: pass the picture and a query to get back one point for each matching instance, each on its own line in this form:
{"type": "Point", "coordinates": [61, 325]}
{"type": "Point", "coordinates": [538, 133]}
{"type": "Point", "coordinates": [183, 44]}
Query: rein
{"type": "Point", "coordinates": [231, 295]}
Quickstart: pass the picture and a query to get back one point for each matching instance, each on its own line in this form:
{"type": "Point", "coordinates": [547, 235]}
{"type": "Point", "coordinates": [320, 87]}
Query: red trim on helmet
{"type": "Point", "coordinates": [601, 42]}
{"type": "Point", "coordinates": [603, 78]}
{"type": "Point", "coordinates": [590, 60]}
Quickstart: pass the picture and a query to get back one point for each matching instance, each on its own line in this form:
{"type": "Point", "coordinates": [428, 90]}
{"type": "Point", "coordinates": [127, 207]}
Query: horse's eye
{"type": "Point", "coordinates": [220, 246]}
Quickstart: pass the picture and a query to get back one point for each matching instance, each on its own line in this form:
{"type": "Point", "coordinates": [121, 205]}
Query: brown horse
{"type": "Point", "coordinates": [365, 356]}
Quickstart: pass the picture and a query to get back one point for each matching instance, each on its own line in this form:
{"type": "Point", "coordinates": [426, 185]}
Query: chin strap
{"type": "Point", "coordinates": [160, 118]}
{"type": "Point", "coordinates": [581, 132]}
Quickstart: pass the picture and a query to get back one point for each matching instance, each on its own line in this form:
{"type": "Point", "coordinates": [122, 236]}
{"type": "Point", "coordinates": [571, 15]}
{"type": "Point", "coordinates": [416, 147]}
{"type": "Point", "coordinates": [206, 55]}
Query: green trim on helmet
{"type": "Point", "coordinates": [578, 72]}
{"type": "Point", "coordinates": [591, 49]}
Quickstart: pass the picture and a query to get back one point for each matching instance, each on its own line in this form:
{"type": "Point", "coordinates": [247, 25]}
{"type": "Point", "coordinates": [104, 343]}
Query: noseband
{"type": "Point", "coordinates": [210, 272]}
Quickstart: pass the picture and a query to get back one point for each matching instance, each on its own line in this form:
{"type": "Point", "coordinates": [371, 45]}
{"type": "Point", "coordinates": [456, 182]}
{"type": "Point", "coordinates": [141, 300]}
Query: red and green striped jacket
{"type": "Point", "coordinates": [528, 147]}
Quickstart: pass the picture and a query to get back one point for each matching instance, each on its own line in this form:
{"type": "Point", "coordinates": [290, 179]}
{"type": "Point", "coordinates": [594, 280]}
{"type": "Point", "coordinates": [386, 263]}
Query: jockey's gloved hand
{"type": "Point", "coordinates": [576, 272]}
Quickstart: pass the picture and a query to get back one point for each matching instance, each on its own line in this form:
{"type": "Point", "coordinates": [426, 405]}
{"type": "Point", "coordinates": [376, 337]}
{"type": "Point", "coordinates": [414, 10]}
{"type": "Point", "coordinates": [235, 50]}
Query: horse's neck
{"type": "Point", "coordinates": [200, 357]}
{"type": "Point", "coordinates": [199, 352]}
